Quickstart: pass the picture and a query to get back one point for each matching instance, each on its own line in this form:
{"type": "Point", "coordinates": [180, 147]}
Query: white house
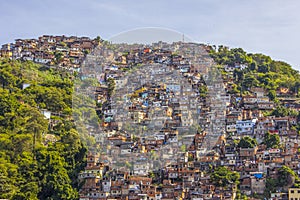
{"type": "Point", "coordinates": [245, 127]}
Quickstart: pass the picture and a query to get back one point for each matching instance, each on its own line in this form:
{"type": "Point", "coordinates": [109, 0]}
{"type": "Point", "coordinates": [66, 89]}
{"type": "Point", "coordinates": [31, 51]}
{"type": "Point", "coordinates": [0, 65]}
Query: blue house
{"type": "Point", "coordinates": [144, 95]}
{"type": "Point", "coordinates": [145, 103]}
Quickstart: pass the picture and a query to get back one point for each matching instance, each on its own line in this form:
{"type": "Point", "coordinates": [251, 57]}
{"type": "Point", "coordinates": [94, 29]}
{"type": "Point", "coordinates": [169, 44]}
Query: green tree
{"type": "Point", "coordinates": [58, 56]}
{"type": "Point", "coordinates": [281, 111]}
{"type": "Point", "coordinates": [264, 68]}
{"type": "Point", "coordinates": [55, 182]}
{"type": "Point", "coordinates": [247, 142]}
{"type": "Point", "coordinates": [271, 185]}
{"type": "Point", "coordinates": [30, 166]}
{"type": "Point", "coordinates": [272, 95]}
{"type": "Point", "coordinates": [8, 177]}
{"type": "Point", "coordinates": [286, 177]}
{"type": "Point", "coordinates": [111, 86]}
{"type": "Point", "coordinates": [250, 81]}
{"type": "Point", "coordinates": [203, 91]}
{"type": "Point", "coordinates": [253, 66]}
{"type": "Point", "coordinates": [271, 140]}
{"type": "Point", "coordinates": [223, 177]}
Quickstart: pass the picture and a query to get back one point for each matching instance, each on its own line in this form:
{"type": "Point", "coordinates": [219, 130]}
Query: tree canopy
{"type": "Point", "coordinates": [271, 140]}
{"type": "Point", "coordinates": [31, 165]}
{"type": "Point", "coordinates": [223, 177]}
{"type": "Point", "coordinates": [247, 142]}
{"type": "Point", "coordinates": [261, 70]}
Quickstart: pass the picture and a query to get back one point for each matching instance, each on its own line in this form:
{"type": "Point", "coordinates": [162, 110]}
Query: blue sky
{"type": "Point", "coordinates": [271, 27]}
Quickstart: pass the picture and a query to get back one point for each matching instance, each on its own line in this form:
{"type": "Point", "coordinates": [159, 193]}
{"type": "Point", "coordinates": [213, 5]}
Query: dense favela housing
{"type": "Point", "coordinates": [60, 51]}
{"type": "Point", "coordinates": [180, 120]}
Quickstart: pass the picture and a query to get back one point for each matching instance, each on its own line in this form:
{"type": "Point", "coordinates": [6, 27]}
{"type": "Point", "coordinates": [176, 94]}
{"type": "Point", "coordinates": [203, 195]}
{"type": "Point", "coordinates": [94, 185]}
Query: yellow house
{"type": "Point", "coordinates": [6, 53]}
{"type": "Point", "coordinates": [294, 193]}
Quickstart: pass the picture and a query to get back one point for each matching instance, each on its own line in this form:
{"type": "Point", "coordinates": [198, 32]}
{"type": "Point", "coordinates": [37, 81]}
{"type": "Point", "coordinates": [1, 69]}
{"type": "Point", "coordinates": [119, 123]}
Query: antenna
{"type": "Point", "coordinates": [183, 37]}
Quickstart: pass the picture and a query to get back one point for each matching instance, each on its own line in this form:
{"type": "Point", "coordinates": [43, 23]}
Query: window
{"type": "Point", "coordinates": [292, 191]}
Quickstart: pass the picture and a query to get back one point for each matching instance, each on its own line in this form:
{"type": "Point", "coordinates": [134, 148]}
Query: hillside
{"type": "Point", "coordinates": [48, 126]}
{"type": "Point", "coordinates": [39, 157]}
{"type": "Point", "coordinates": [262, 71]}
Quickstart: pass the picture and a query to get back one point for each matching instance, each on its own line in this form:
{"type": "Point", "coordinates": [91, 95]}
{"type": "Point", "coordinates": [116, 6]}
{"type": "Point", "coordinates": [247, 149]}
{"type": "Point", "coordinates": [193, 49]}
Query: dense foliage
{"type": "Point", "coordinates": [286, 178]}
{"type": "Point", "coordinates": [262, 71]}
{"type": "Point", "coordinates": [39, 158]}
{"type": "Point", "coordinates": [271, 140]}
{"type": "Point", "coordinates": [223, 177]}
{"type": "Point", "coordinates": [247, 142]}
